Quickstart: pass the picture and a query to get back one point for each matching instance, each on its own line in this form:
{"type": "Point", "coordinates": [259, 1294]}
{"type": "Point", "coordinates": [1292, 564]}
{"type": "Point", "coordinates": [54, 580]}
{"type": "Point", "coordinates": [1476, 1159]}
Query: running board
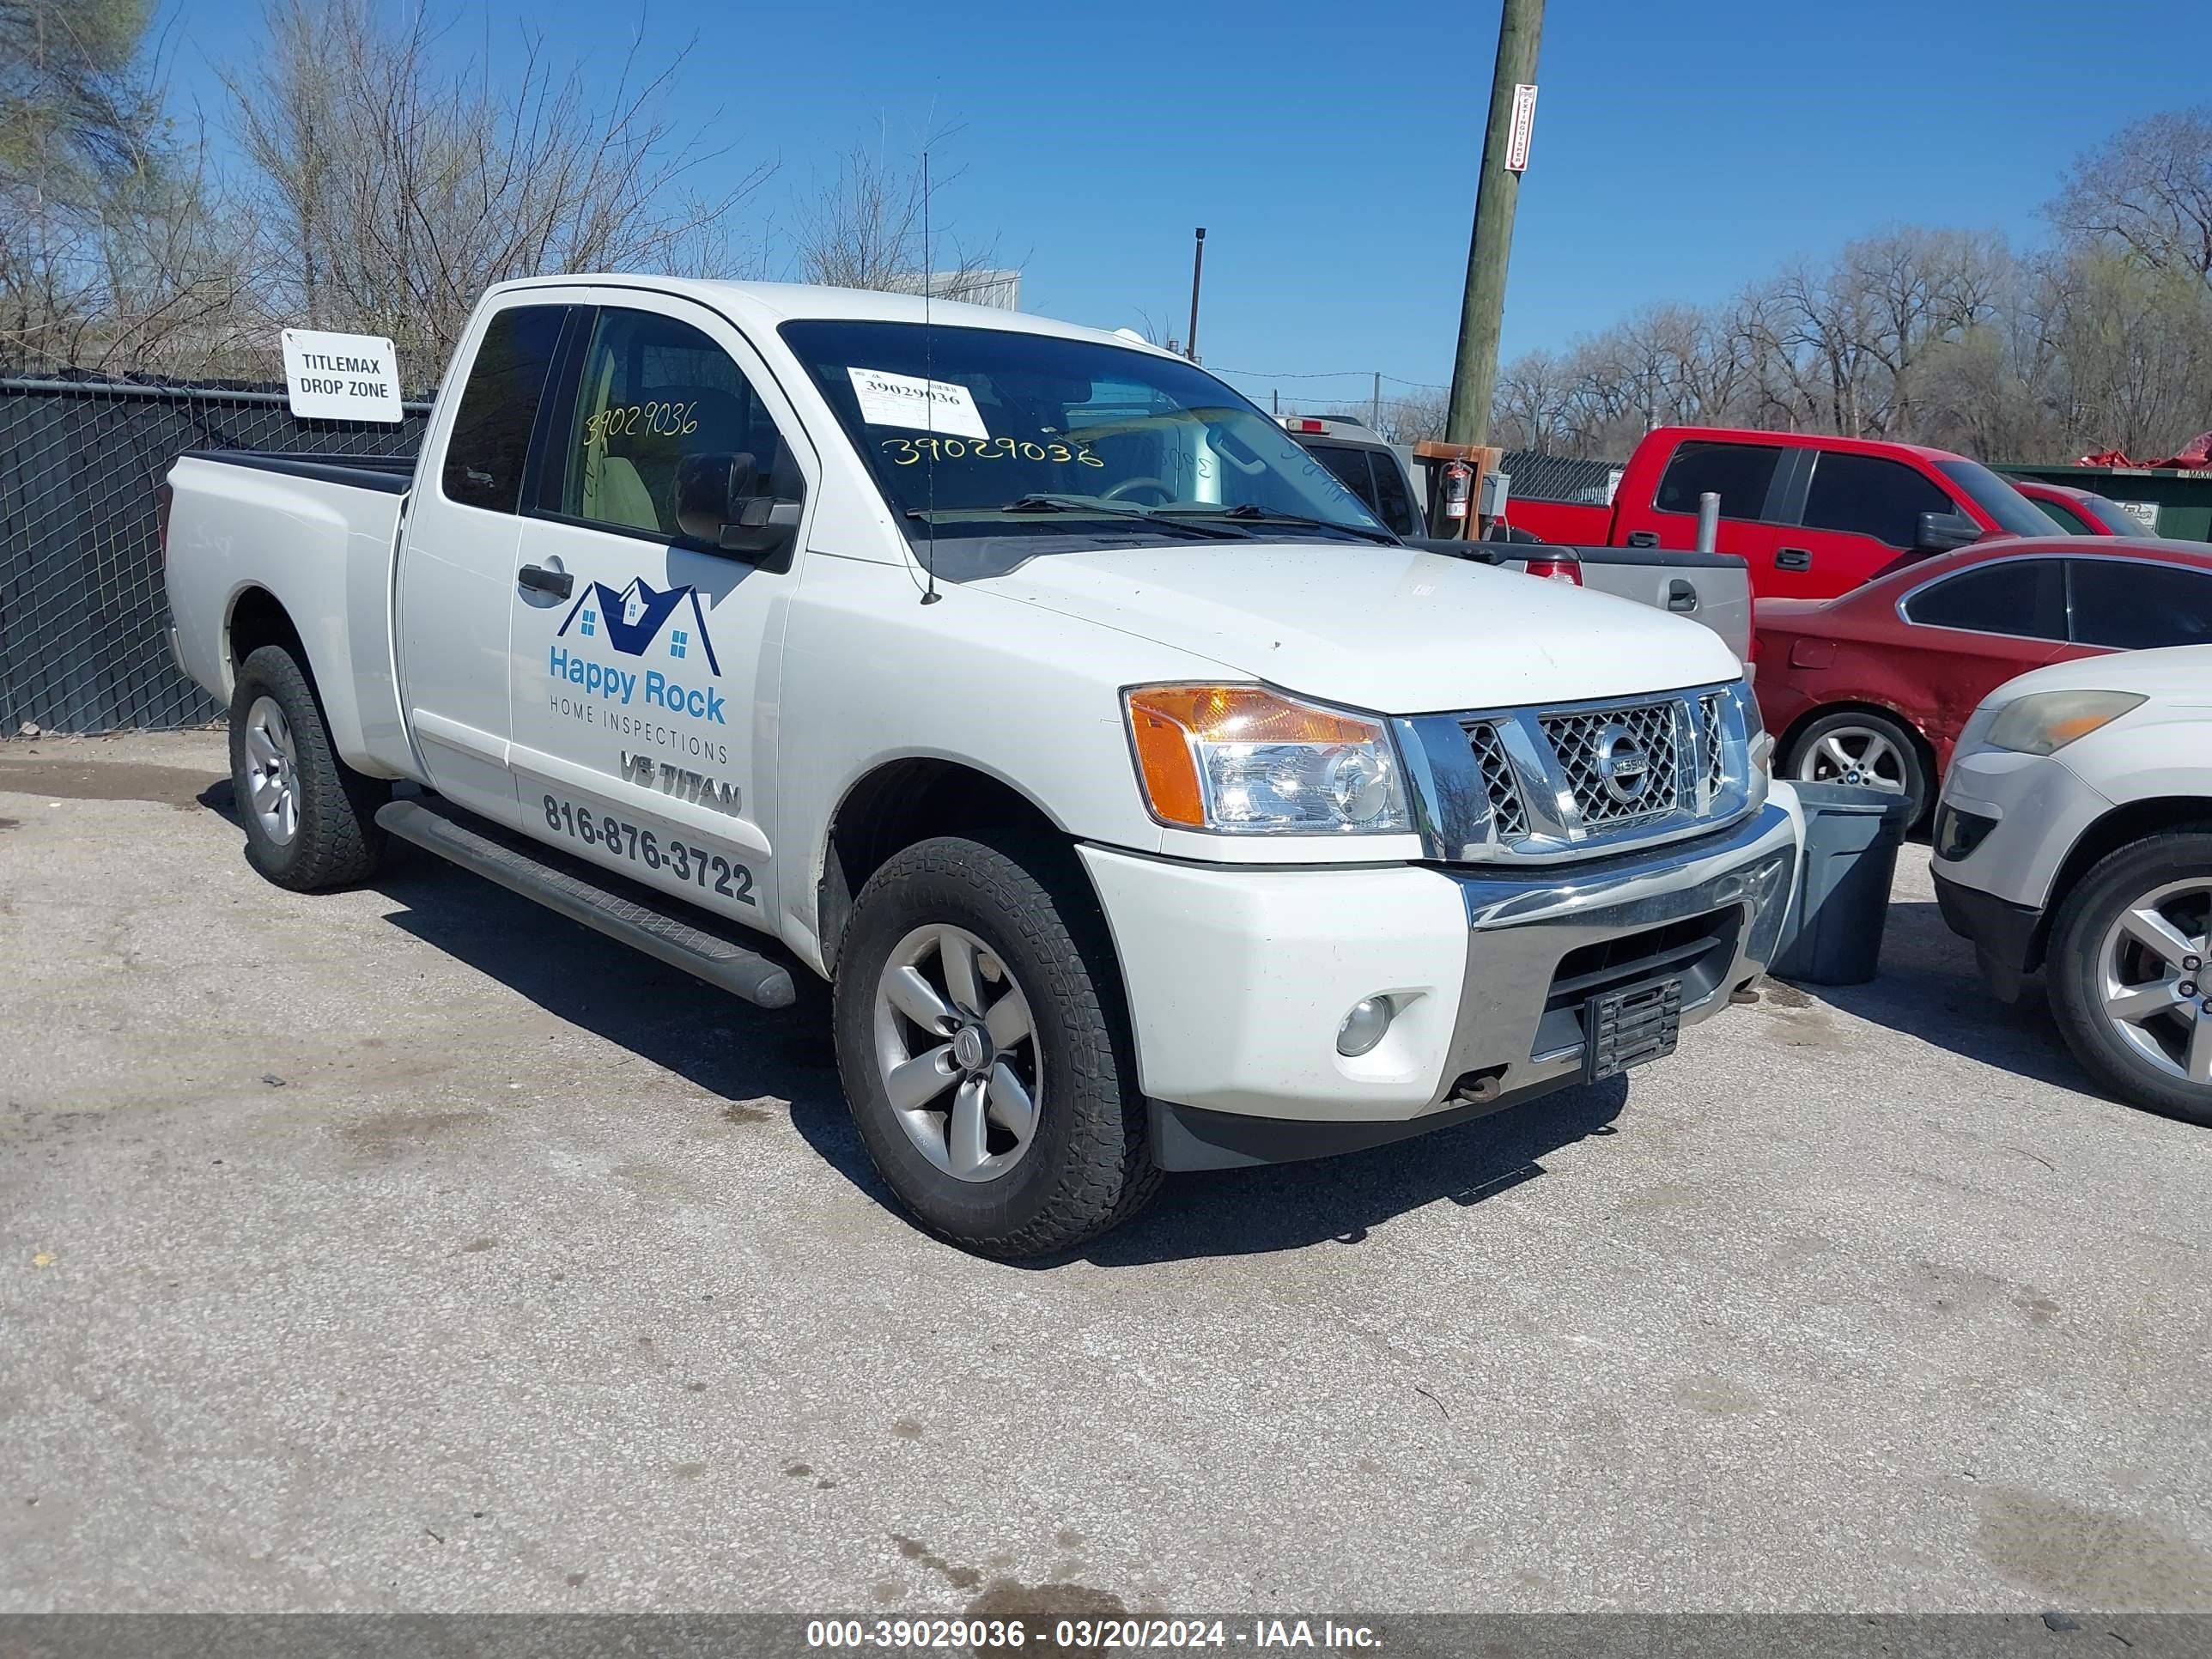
{"type": "Point", "coordinates": [437, 826]}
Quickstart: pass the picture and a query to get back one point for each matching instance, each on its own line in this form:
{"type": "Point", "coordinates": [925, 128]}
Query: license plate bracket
{"type": "Point", "coordinates": [1630, 1027]}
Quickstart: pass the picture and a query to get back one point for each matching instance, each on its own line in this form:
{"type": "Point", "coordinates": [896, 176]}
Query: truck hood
{"type": "Point", "coordinates": [1392, 629]}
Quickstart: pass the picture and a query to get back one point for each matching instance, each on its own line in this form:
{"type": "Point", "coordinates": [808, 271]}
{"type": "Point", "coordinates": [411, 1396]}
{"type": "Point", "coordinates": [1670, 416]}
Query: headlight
{"type": "Point", "coordinates": [2045, 722]}
{"type": "Point", "coordinates": [1243, 760]}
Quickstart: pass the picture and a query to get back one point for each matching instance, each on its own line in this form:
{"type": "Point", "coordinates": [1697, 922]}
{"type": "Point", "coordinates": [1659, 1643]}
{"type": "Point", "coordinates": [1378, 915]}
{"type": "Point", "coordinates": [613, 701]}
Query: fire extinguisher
{"type": "Point", "coordinates": [1458, 489]}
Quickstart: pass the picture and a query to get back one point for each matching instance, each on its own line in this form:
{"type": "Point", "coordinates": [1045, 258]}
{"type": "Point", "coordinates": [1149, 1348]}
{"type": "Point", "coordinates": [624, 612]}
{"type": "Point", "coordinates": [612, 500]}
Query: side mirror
{"type": "Point", "coordinates": [718, 501]}
{"type": "Point", "coordinates": [1940, 532]}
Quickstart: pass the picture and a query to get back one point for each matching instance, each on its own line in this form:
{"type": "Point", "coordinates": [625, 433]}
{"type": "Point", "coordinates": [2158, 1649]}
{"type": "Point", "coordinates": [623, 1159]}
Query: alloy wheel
{"type": "Point", "coordinates": [272, 771]}
{"type": "Point", "coordinates": [2151, 978]}
{"type": "Point", "coordinates": [958, 1053]}
{"type": "Point", "coordinates": [1856, 755]}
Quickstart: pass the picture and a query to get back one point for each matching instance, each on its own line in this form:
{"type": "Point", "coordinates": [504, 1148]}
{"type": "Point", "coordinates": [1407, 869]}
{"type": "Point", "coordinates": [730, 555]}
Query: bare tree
{"type": "Point", "coordinates": [2149, 192]}
{"type": "Point", "coordinates": [874, 224]}
{"type": "Point", "coordinates": [391, 185]}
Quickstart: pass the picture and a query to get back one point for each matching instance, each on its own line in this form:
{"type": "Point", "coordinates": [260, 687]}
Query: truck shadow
{"type": "Point", "coordinates": [1929, 987]}
{"type": "Point", "coordinates": [739, 1053]}
{"type": "Point", "coordinates": [1339, 1199]}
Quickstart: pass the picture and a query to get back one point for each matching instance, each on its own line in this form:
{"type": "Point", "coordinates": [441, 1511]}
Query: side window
{"type": "Point", "coordinates": [1867, 495]}
{"type": "Point", "coordinates": [1350, 466]}
{"type": "Point", "coordinates": [2021, 598]}
{"type": "Point", "coordinates": [2138, 607]}
{"type": "Point", "coordinates": [491, 429]}
{"type": "Point", "coordinates": [1392, 503]}
{"type": "Point", "coordinates": [654, 391]}
{"type": "Point", "coordinates": [2064, 517]}
{"type": "Point", "coordinates": [1738, 473]}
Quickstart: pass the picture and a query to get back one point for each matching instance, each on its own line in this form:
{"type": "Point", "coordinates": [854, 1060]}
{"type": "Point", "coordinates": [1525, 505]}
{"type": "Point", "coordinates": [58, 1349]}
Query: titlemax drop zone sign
{"type": "Point", "coordinates": [341, 377]}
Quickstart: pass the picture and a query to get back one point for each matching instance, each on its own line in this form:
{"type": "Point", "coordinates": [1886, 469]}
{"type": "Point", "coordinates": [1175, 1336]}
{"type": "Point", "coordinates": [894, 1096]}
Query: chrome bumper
{"type": "Point", "coordinates": [1520, 1029]}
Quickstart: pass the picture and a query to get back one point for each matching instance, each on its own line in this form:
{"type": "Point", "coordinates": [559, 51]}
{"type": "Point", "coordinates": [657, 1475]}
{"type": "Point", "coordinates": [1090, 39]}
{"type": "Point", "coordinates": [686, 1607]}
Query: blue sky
{"type": "Point", "coordinates": [1682, 147]}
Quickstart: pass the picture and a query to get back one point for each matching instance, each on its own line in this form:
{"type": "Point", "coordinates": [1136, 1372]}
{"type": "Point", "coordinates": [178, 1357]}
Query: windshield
{"type": "Point", "coordinates": [2121, 520]}
{"type": "Point", "coordinates": [2013, 511]}
{"type": "Point", "coordinates": [1068, 445]}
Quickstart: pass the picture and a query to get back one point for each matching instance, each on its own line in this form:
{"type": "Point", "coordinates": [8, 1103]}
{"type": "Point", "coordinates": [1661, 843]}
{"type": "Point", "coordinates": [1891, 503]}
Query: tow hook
{"type": "Point", "coordinates": [1480, 1088]}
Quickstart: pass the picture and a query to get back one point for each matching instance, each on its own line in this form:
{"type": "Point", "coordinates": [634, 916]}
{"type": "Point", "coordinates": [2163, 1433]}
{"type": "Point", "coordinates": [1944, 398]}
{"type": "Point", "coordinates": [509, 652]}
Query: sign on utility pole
{"type": "Point", "coordinates": [1523, 130]}
{"type": "Point", "coordinates": [1497, 189]}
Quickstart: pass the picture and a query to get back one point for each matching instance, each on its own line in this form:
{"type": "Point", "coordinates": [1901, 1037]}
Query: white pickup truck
{"type": "Point", "coordinates": [1149, 805]}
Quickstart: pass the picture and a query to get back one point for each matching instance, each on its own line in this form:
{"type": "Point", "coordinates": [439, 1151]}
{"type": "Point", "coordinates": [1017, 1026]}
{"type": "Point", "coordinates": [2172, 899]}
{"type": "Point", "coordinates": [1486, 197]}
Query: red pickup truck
{"type": "Point", "coordinates": [1813, 517]}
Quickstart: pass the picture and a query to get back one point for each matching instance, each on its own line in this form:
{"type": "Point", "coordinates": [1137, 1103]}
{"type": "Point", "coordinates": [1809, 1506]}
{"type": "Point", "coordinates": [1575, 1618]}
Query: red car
{"type": "Point", "coordinates": [1811, 516]}
{"type": "Point", "coordinates": [1873, 688]}
{"type": "Point", "coordinates": [2080, 512]}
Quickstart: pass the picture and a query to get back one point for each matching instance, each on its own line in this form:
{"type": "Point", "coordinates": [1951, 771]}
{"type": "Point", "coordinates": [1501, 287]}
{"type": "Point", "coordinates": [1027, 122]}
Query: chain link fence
{"type": "Point", "coordinates": [83, 611]}
{"type": "Point", "coordinates": [1559, 478]}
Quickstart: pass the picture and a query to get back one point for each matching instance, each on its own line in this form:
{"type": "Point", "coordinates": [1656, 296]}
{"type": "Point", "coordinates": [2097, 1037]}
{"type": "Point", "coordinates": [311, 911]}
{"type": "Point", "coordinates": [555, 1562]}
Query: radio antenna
{"type": "Point", "coordinates": [929, 593]}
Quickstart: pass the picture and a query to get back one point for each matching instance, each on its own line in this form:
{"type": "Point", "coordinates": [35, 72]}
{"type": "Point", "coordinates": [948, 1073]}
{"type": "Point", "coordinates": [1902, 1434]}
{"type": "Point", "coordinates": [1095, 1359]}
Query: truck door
{"type": "Point", "coordinates": [1751, 480]}
{"type": "Point", "coordinates": [456, 559]}
{"type": "Point", "coordinates": [645, 663]}
{"type": "Point", "coordinates": [1862, 513]}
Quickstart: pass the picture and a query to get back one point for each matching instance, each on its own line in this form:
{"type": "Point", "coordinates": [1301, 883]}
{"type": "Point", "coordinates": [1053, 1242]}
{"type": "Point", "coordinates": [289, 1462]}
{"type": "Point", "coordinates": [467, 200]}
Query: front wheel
{"type": "Point", "coordinates": [1868, 750]}
{"type": "Point", "coordinates": [981, 1041]}
{"type": "Point", "coordinates": [2127, 972]}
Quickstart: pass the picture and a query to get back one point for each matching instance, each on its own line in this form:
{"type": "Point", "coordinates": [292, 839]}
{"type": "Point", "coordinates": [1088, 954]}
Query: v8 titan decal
{"type": "Point", "coordinates": [642, 621]}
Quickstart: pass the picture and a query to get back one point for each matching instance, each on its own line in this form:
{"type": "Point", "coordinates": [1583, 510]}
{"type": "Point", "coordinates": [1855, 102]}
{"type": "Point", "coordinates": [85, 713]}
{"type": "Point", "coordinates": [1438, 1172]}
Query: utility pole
{"type": "Point", "coordinates": [1474, 370]}
{"type": "Point", "coordinates": [1197, 269]}
{"type": "Point", "coordinates": [1374, 404]}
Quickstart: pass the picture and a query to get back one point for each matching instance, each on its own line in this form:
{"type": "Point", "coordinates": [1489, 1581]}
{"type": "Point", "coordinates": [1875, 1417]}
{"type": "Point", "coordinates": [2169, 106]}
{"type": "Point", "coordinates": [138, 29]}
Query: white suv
{"type": "Point", "coordinates": [2074, 835]}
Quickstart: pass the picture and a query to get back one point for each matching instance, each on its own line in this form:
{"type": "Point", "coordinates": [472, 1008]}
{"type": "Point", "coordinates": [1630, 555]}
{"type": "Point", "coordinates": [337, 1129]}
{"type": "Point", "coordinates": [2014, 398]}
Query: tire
{"type": "Point", "coordinates": [1860, 735]}
{"type": "Point", "coordinates": [2122, 1053]}
{"type": "Point", "coordinates": [1025, 909]}
{"type": "Point", "coordinates": [322, 831]}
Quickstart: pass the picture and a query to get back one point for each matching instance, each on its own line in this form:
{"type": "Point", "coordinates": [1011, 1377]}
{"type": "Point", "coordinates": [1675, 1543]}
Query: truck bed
{"type": "Point", "coordinates": [393, 475]}
{"type": "Point", "coordinates": [316, 534]}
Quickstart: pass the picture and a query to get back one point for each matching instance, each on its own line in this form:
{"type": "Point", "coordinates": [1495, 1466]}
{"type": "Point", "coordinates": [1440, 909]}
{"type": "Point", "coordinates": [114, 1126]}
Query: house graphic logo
{"type": "Point", "coordinates": [665, 627]}
{"type": "Point", "coordinates": [632, 621]}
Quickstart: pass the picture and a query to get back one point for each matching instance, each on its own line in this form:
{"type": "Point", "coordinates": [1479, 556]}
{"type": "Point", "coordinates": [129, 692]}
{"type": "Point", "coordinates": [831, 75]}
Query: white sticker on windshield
{"type": "Point", "coordinates": [888, 399]}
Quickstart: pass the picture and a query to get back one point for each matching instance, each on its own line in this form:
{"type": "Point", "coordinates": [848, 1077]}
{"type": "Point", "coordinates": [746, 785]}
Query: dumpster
{"type": "Point", "coordinates": [1832, 933]}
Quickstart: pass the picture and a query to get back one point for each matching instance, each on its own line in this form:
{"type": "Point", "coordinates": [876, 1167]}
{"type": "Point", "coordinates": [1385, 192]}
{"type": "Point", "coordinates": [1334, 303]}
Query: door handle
{"type": "Point", "coordinates": [536, 577]}
{"type": "Point", "coordinates": [1643, 538]}
{"type": "Point", "coordinates": [1793, 558]}
{"type": "Point", "coordinates": [1681, 595]}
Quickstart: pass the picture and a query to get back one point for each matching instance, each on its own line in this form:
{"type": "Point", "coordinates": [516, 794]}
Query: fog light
{"type": "Point", "coordinates": [1363, 1028]}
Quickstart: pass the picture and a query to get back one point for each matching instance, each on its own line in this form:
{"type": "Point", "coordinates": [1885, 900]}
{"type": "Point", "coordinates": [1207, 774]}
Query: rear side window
{"type": "Point", "coordinates": [2064, 517]}
{"type": "Point", "coordinates": [2021, 598]}
{"type": "Point", "coordinates": [1738, 473]}
{"type": "Point", "coordinates": [491, 430]}
{"type": "Point", "coordinates": [2138, 607]}
{"type": "Point", "coordinates": [1867, 495]}
{"type": "Point", "coordinates": [1393, 503]}
{"type": "Point", "coordinates": [1350, 466]}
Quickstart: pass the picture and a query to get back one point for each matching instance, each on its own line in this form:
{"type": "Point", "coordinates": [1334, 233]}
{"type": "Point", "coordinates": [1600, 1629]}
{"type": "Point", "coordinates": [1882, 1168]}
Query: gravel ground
{"type": "Point", "coordinates": [411, 1249]}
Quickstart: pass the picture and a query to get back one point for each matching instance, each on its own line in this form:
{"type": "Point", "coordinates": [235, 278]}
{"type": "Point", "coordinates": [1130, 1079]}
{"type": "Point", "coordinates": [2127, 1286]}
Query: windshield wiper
{"type": "Point", "coordinates": [1086, 505]}
{"type": "Point", "coordinates": [1250, 513]}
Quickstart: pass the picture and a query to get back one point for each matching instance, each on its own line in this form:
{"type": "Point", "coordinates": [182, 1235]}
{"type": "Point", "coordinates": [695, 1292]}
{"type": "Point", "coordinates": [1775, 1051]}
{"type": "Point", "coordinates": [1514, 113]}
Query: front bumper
{"type": "Point", "coordinates": [2021, 815]}
{"type": "Point", "coordinates": [1239, 977]}
{"type": "Point", "coordinates": [2003, 934]}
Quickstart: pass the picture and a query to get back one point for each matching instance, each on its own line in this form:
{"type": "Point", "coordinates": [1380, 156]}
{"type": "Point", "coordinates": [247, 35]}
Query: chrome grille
{"type": "Point", "coordinates": [1709, 715]}
{"type": "Point", "coordinates": [1529, 786]}
{"type": "Point", "coordinates": [1587, 741]}
{"type": "Point", "coordinates": [1510, 823]}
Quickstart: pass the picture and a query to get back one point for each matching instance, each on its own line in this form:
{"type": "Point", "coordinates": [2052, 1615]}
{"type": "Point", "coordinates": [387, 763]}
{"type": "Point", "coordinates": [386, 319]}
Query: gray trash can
{"type": "Point", "coordinates": [1833, 932]}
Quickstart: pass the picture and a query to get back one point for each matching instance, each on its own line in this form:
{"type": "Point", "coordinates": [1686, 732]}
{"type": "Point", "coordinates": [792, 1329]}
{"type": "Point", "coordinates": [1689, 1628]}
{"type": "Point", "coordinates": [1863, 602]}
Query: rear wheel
{"type": "Point", "coordinates": [1865, 750]}
{"type": "Point", "coordinates": [981, 1041]}
{"type": "Point", "coordinates": [2129, 950]}
{"type": "Point", "coordinates": [309, 818]}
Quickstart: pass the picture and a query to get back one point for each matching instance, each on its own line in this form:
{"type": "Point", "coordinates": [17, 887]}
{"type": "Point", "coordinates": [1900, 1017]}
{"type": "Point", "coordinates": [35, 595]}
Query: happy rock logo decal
{"type": "Point", "coordinates": [665, 624]}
